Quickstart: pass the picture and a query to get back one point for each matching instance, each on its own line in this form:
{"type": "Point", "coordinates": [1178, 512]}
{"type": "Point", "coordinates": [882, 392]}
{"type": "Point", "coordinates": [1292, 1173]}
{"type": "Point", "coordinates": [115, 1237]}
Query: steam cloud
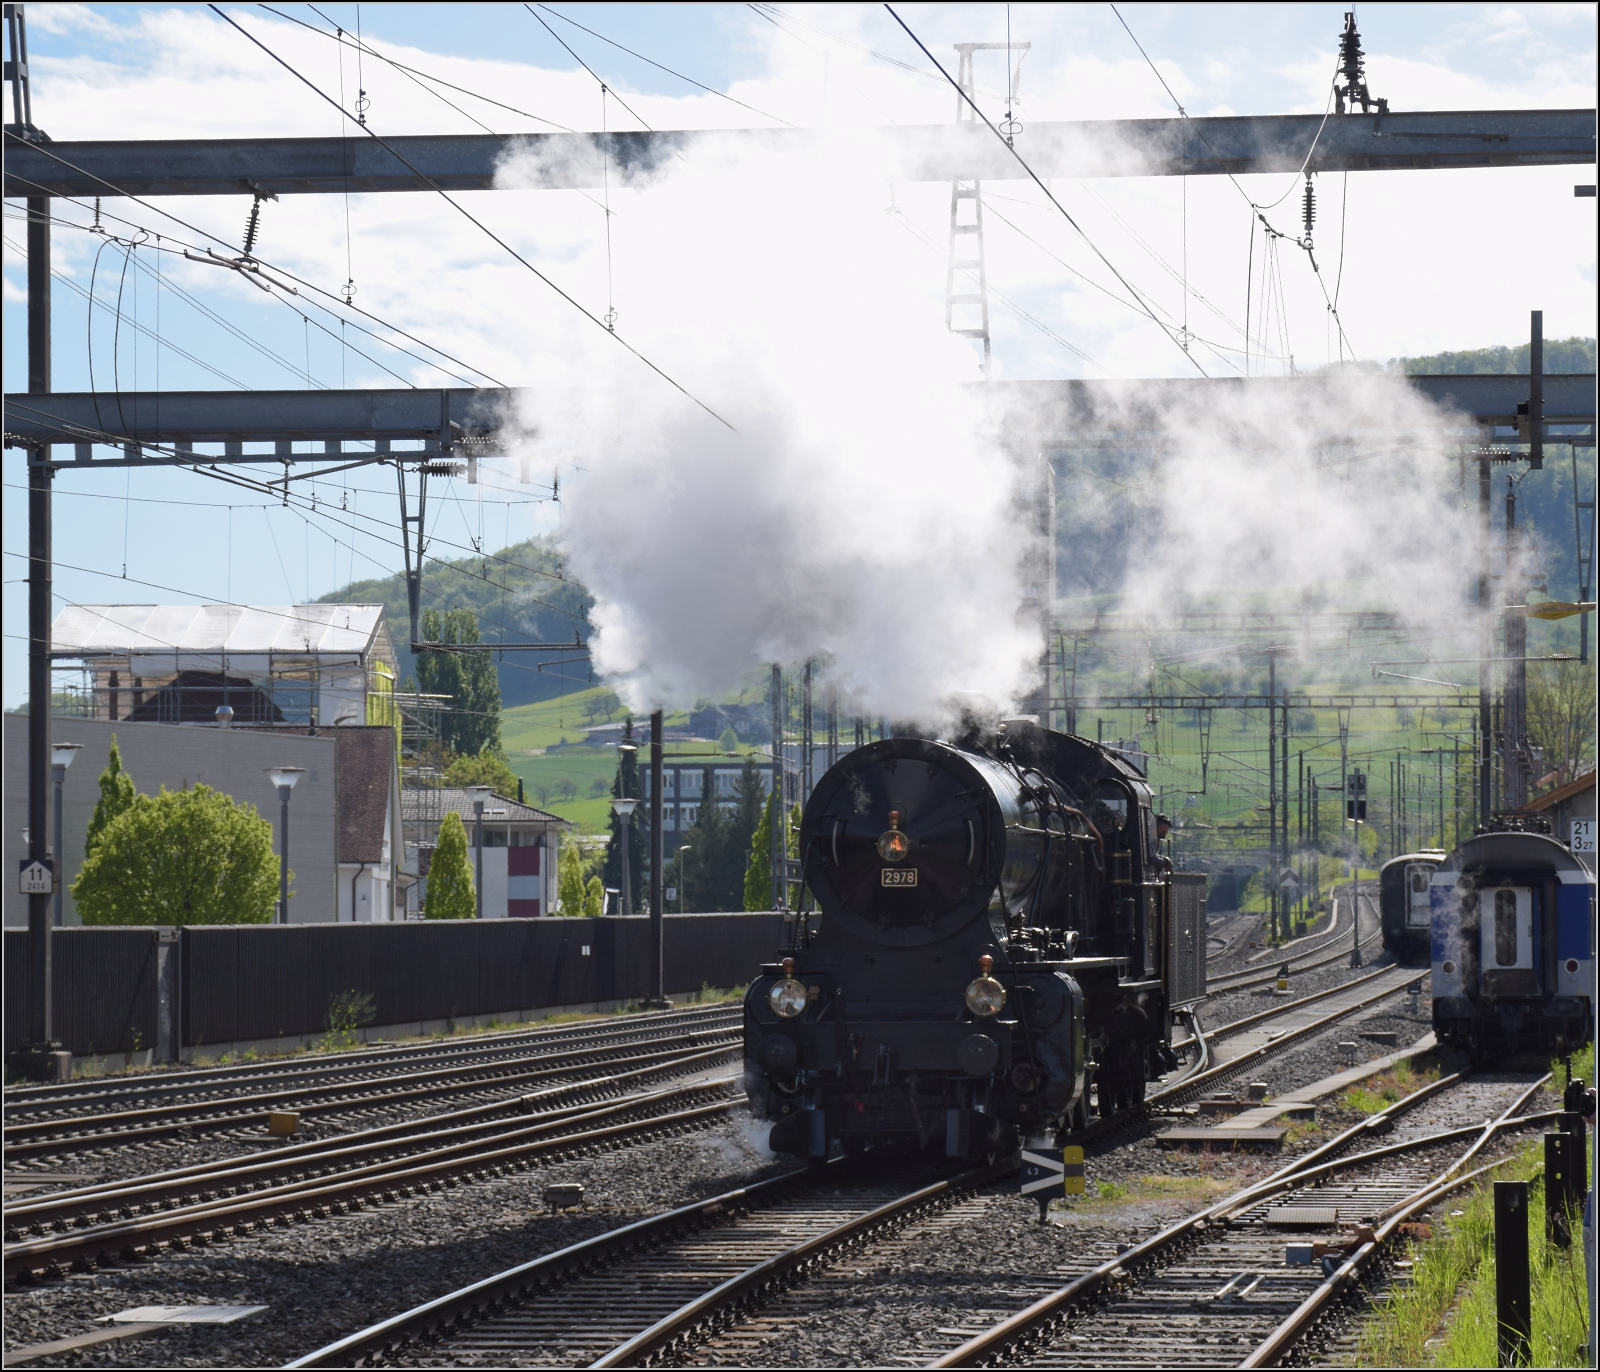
{"type": "Point", "coordinates": [861, 509]}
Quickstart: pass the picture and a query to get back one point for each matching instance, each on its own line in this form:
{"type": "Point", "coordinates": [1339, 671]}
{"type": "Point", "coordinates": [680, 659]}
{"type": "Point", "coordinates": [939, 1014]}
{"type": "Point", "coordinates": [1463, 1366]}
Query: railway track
{"type": "Point", "coordinates": [707, 1271]}
{"type": "Point", "coordinates": [1330, 953]}
{"type": "Point", "coordinates": [363, 1088]}
{"type": "Point", "coordinates": [241, 1196]}
{"type": "Point", "coordinates": [1216, 1284]}
{"type": "Point", "coordinates": [629, 1296]}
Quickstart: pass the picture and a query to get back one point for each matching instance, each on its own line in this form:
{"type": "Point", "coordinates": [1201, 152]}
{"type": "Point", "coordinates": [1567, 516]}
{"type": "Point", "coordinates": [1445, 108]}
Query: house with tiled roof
{"type": "Point", "coordinates": [368, 835]}
{"type": "Point", "coordinates": [520, 843]}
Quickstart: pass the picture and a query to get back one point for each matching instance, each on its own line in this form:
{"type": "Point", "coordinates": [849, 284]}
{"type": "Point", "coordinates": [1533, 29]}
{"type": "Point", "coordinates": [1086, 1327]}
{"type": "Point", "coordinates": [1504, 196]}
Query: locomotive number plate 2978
{"type": "Point", "coordinates": [899, 876]}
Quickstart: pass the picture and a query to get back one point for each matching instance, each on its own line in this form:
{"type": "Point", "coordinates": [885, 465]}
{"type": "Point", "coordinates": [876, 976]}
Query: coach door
{"type": "Point", "coordinates": [1418, 911]}
{"type": "Point", "coordinates": [1505, 925]}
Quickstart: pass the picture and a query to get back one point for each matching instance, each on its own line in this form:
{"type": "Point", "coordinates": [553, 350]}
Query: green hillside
{"type": "Point", "coordinates": [520, 594]}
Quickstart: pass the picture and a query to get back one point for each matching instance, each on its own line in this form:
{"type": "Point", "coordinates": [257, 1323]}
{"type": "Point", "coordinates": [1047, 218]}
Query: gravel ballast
{"type": "Point", "coordinates": [330, 1277]}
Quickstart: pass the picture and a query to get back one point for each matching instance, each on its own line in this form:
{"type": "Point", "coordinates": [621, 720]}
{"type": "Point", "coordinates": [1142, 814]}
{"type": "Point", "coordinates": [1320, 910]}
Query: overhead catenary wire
{"type": "Point", "coordinates": [1259, 209]}
{"type": "Point", "coordinates": [190, 462]}
{"type": "Point", "coordinates": [206, 233]}
{"type": "Point", "coordinates": [362, 48]}
{"type": "Point", "coordinates": [625, 105]}
{"type": "Point", "coordinates": [710, 90]}
{"type": "Point", "coordinates": [478, 223]}
{"type": "Point", "coordinates": [1022, 162]}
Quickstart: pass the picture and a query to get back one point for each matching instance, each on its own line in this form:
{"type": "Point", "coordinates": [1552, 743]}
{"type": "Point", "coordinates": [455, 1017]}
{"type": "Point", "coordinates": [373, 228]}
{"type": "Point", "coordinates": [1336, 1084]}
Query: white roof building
{"type": "Point", "coordinates": [292, 664]}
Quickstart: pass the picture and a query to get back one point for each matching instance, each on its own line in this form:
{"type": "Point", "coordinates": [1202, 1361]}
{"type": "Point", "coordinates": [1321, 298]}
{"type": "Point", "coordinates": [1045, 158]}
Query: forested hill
{"type": "Point", "coordinates": [1560, 355]}
{"type": "Point", "coordinates": [520, 594]}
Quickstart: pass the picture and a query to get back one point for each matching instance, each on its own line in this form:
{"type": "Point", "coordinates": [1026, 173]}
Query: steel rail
{"type": "Point", "coordinates": [1186, 1088]}
{"type": "Point", "coordinates": [125, 1194]}
{"type": "Point", "coordinates": [985, 1346]}
{"type": "Point", "coordinates": [1243, 981]}
{"type": "Point", "coordinates": [1292, 1330]}
{"type": "Point", "coordinates": [766, 1277]}
{"type": "Point", "coordinates": [508, 1287]}
{"type": "Point", "coordinates": [312, 1104]}
{"type": "Point", "coordinates": [374, 1059]}
{"type": "Point", "coordinates": [213, 1221]}
{"type": "Point", "coordinates": [1202, 1075]}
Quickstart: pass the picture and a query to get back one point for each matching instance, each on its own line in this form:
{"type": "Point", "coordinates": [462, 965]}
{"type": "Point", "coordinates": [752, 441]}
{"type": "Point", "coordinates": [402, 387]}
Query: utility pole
{"type": "Point", "coordinates": [42, 1058]}
{"type": "Point", "coordinates": [1485, 639]}
{"type": "Point", "coordinates": [780, 819]}
{"type": "Point", "coordinates": [658, 904]}
{"type": "Point", "coordinates": [1272, 793]}
{"type": "Point", "coordinates": [1514, 709]}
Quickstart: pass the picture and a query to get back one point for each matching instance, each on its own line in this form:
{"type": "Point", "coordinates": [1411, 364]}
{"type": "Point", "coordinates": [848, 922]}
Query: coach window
{"type": "Point", "coordinates": [1505, 928]}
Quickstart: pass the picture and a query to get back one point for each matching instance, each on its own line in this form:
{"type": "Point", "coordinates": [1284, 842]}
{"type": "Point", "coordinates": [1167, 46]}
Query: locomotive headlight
{"type": "Point", "coordinates": [788, 998]}
{"type": "Point", "coordinates": [985, 995]}
{"type": "Point", "coordinates": [893, 845]}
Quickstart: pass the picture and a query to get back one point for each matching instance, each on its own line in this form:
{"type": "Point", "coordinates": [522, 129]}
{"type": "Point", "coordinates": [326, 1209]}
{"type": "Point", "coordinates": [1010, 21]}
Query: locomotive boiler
{"type": "Point", "coordinates": [998, 949]}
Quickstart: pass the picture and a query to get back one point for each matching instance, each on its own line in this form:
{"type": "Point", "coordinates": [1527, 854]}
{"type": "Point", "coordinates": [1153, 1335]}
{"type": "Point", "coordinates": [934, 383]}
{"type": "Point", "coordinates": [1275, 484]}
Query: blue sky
{"type": "Point", "coordinates": [1433, 260]}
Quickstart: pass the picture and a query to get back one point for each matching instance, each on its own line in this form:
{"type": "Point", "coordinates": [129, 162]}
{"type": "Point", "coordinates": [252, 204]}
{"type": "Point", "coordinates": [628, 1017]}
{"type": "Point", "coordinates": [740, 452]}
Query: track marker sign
{"type": "Point", "coordinates": [1047, 1174]}
{"type": "Point", "coordinates": [36, 879]}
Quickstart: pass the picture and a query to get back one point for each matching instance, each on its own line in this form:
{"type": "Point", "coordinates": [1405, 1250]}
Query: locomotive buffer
{"type": "Point", "coordinates": [1046, 1174]}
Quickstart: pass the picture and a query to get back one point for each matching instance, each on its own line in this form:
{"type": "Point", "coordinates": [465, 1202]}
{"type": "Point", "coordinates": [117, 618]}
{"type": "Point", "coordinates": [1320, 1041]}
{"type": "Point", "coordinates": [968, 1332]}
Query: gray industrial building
{"type": "Point", "coordinates": [344, 814]}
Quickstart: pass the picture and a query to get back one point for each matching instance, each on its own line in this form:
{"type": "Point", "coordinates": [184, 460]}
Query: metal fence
{"type": "Point", "coordinates": [266, 981]}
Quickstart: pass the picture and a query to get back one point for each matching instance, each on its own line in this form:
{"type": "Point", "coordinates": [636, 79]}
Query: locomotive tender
{"type": "Point", "coordinates": [1405, 904]}
{"type": "Point", "coordinates": [999, 949]}
{"type": "Point", "coordinates": [1513, 939]}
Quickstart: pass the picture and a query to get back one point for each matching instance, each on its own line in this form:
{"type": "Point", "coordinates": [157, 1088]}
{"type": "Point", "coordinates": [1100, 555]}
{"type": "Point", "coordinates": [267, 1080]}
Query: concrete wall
{"type": "Point", "coordinates": [175, 756]}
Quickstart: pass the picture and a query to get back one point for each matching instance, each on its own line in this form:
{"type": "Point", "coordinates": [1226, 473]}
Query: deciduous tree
{"type": "Point", "coordinates": [471, 724]}
{"type": "Point", "coordinates": [180, 857]}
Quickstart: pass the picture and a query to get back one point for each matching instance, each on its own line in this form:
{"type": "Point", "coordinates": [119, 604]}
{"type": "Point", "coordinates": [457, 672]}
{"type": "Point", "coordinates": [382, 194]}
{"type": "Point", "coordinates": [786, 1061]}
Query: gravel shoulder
{"type": "Point", "coordinates": [330, 1277]}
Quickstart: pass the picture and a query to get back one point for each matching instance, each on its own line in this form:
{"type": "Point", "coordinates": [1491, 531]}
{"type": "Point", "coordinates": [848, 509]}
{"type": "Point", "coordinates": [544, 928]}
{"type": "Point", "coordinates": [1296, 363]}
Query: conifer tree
{"type": "Point", "coordinates": [116, 796]}
{"type": "Point", "coordinates": [451, 894]}
{"type": "Point", "coordinates": [758, 875]}
{"type": "Point", "coordinates": [569, 879]}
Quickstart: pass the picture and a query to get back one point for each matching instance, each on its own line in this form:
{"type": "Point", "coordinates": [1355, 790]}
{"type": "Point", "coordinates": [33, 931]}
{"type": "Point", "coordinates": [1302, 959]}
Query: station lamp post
{"type": "Point", "coordinates": [479, 794]}
{"type": "Point", "coordinates": [623, 810]}
{"type": "Point", "coordinates": [284, 779]}
{"type": "Point", "coordinates": [61, 755]}
{"type": "Point", "coordinates": [681, 883]}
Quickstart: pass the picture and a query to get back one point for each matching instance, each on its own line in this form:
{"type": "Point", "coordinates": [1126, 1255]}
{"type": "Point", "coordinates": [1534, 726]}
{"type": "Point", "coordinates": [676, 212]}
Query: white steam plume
{"type": "Point", "coordinates": [1313, 492]}
{"type": "Point", "coordinates": [859, 510]}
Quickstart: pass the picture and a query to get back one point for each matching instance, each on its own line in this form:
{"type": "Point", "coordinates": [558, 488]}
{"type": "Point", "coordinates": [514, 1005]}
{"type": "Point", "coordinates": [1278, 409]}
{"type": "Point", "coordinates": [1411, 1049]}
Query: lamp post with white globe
{"type": "Point", "coordinates": [61, 755]}
{"type": "Point", "coordinates": [623, 810]}
{"type": "Point", "coordinates": [284, 779]}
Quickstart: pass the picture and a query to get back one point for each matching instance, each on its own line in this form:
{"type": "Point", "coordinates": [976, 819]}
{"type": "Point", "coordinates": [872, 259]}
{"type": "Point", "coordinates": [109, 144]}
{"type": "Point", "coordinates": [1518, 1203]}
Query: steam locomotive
{"type": "Point", "coordinates": [999, 949]}
{"type": "Point", "coordinates": [1406, 906]}
{"type": "Point", "coordinates": [1513, 944]}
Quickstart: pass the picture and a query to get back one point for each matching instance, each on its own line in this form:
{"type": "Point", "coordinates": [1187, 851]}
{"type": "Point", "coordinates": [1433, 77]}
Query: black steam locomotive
{"type": "Point", "coordinates": [999, 949]}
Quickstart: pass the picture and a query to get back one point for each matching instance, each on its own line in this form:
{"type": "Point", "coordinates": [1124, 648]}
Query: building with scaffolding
{"type": "Point", "coordinates": [291, 665]}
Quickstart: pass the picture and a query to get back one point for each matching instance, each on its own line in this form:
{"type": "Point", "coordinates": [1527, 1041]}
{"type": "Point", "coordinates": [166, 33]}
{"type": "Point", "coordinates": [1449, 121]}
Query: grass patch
{"type": "Point", "coordinates": [1301, 1132]}
{"type": "Point", "coordinates": [1426, 1325]}
{"type": "Point", "coordinates": [1383, 1090]}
